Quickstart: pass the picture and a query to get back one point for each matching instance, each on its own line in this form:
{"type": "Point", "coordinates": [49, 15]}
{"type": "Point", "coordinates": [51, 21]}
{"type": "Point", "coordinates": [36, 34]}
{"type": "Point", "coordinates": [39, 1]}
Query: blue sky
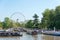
{"type": "Point", "coordinates": [27, 7]}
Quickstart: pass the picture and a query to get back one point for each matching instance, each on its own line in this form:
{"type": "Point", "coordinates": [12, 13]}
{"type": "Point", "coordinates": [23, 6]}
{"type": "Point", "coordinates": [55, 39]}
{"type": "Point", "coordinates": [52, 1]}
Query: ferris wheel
{"type": "Point", "coordinates": [18, 16]}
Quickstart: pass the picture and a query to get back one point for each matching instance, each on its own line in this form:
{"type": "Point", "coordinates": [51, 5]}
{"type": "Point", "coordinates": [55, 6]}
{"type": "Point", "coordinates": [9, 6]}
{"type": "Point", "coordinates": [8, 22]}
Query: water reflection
{"type": "Point", "coordinates": [32, 37]}
{"type": "Point", "coordinates": [9, 38]}
{"type": "Point", "coordinates": [35, 37]}
{"type": "Point", "coordinates": [47, 37]}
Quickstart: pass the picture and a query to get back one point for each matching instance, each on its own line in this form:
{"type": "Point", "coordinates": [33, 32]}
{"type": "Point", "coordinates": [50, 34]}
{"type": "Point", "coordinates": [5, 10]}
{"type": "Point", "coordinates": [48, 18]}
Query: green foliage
{"type": "Point", "coordinates": [51, 19]}
{"type": "Point", "coordinates": [1, 24]}
{"type": "Point", "coordinates": [6, 23]}
{"type": "Point", "coordinates": [57, 17]}
{"type": "Point", "coordinates": [57, 10]}
{"type": "Point", "coordinates": [48, 19]}
{"type": "Point", "coordinates": [35, 21]}
{"type": "Point", "coordinates": [45, 19]}
{"type": "Point", "coordinates": [29, 24]}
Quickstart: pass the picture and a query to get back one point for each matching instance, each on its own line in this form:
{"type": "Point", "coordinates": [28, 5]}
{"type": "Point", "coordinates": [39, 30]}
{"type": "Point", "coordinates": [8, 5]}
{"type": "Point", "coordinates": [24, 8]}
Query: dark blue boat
{"type": "Point", "coordinates": [53, 33]}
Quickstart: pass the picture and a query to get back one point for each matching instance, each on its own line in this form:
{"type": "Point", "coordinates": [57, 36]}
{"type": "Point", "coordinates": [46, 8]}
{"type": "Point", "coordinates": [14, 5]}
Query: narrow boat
{"type": "Point", "coordinates": [54, 33]}
{"type": "Point", "coordinates": [32, 32]}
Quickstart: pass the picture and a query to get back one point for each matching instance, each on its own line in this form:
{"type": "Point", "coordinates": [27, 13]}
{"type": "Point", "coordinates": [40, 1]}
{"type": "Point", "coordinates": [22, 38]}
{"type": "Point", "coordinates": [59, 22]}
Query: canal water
{"type": "Point", "coordinates": [32, 37]}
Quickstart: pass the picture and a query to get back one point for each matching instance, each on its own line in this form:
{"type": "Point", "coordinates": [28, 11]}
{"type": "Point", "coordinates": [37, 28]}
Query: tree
{"type": "Point", "coordinates": [51, 20]}
{"type": "Point", "coordinates": [6, 23]}
{"type": "Point", "coordinates": [1, 25]}
{"type": "Point", "coordinates": [44, 21]}
{"type": "Point", "coordinates": [35, 21]}
{"type": "Point", "coordinates": [29, 24]}
{"type": "Point", "coordinates": [57, 17]}
{"type": "Point", "coordinates": [48, 19]}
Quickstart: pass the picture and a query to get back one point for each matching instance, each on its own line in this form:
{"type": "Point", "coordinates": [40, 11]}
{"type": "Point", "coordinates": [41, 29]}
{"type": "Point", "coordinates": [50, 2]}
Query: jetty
{"type": "Point", "coordinates": [10, 32]}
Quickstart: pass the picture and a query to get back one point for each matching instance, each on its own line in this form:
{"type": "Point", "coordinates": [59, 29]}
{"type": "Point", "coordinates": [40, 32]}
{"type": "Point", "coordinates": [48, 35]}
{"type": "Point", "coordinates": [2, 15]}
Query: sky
{"type": "Point", "coordinates": [25, 9]}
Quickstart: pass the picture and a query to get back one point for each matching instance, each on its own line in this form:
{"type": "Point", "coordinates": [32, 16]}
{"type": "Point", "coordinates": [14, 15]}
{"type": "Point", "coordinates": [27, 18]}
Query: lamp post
{"type": "Point", "coordinates": [54, 29]}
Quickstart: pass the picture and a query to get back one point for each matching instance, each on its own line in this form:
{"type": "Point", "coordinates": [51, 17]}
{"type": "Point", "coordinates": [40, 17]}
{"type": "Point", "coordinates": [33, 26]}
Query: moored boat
{"type": "Point", "coordinates": [9, 33]}
{"type": "Point", "coordinates": [54, 33]}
